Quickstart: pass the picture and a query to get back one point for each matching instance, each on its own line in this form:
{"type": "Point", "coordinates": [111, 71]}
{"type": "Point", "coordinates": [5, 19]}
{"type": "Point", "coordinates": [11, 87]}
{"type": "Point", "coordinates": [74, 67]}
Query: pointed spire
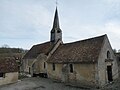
{"type": "Point", "coordinates": [56, 20]}
{"type": "Point", "coordinates": [56, 33]}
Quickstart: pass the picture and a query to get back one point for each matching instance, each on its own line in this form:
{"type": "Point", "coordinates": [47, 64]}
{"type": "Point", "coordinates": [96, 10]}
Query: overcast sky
{"type": "Point", "coordinates": [24, 23]}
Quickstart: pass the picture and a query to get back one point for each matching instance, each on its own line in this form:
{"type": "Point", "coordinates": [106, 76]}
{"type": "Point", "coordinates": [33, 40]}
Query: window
{"type": "Point", "coordinates": [53, 66]}
{"type": "Point", "coordinates": [71, 68]}
{"type": "Point", "coordinates": [29, 70]}
{"type": "Point", "coordinates": [58, 31]}
{"type": "Point", "coordinates": [44, 65]}
{"type": "Point", "coordinates": [52, 37]}
{"type": "Point", "coordinates": [108, 55]}
{"type": "Point", "coordinates": [2, 75]}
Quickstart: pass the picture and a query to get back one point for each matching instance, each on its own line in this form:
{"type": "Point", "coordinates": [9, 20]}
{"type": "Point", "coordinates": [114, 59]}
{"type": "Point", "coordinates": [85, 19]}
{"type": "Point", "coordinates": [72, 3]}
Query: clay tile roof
{"type": "Point", "coordinates": [81, 51]}
{"type": "Point", "coordinates": [38, 49]}
{"type": "Point", "coordinates": [8, 65]}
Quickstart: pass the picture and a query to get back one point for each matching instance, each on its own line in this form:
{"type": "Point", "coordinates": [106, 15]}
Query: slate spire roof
{"type": "Point", "coordinates": [56, 20]}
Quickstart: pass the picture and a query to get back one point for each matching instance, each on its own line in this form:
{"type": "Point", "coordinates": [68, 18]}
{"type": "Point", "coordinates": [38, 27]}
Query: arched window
{"type": "Point", "coordinates": [58, 31]}
{"type": "Point", "coordinates": [29, 70]}
{"type": "Point", "coordinates": [108, 55]}
{"type": "Point", "coordinates": [2, 75]}
{"type": "Point", "coordinates": [44, 65]}
{"type": "Point", "coordinates": [53, 65]}
{"type": "Point", "coordinates": [71, 68]}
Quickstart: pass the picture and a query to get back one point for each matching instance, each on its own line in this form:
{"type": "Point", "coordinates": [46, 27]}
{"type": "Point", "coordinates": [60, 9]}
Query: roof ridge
{"type": "Point", "coordinates": [42, 43]}
{"type": "Point", "coordinates": [86, 39]}
{"type": "Point", "coordinates": [81, 51]}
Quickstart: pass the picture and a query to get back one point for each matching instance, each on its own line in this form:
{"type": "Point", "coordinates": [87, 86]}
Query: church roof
{"type": "Point", "coordinates": [38, 49]}
{"type": "Point", "coordinates": [8, 65]}
{"type": "Point", "coordinates": [83, 51]}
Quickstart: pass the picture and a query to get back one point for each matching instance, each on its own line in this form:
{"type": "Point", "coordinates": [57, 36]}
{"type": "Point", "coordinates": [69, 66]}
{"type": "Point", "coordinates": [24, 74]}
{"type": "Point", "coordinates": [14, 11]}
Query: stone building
{"type": "Point", "coordinates": [118, 61]}
{"type": "Point", "coordinates": [8, 71]}
{"type": "Point", "coordinates": [87, 62]}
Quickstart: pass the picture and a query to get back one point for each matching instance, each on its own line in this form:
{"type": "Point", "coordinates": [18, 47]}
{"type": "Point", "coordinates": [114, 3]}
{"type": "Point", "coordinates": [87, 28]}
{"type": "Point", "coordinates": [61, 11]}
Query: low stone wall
{"type": "Point", "coordinates": [9, 78]}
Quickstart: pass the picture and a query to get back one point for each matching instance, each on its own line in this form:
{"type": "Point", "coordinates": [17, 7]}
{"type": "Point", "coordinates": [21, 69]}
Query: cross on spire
{"type": "Point", "coordinates": [56, 3]}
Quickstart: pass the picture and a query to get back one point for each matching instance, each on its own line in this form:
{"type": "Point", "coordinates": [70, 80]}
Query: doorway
{"type": "Point", "coordinates": [109, 73]}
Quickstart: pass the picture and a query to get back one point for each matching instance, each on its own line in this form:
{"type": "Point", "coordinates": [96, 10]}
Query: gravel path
{"type": "Point", "coordinates": [36, 83]}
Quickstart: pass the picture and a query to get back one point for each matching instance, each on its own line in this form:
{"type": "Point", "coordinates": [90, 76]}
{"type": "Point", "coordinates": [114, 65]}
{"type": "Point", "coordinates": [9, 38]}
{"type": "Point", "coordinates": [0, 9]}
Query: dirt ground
{"type": "Point", "coordinates": [115, 85]}
{"type": "Point", "coordinates": [37, 83]}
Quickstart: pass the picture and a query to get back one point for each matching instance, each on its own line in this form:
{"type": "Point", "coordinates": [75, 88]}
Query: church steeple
{"type": "Point", "coordinates": [56, 33]}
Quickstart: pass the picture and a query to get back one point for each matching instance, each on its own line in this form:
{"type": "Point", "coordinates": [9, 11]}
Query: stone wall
{"type": "Point", "coordinates": [41, 59]}
{"type": "Point", "coordinates": [9, 78]}
{"type": "Point", "coordinates": [55, 74]}
{"type": "Point", "coordinates": [118, 61]}
{"type": "Point", "coordinates": [85, 73]}
{"type": "Point", "coordinates": [101, 75]}
{"type": "Point", "coordinates": [82, 73]}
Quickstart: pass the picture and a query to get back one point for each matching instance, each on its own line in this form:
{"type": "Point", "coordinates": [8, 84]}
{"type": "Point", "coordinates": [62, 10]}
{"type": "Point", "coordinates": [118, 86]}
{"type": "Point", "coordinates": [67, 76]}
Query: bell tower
{"type": "Point", "coordinates": [56, 32]}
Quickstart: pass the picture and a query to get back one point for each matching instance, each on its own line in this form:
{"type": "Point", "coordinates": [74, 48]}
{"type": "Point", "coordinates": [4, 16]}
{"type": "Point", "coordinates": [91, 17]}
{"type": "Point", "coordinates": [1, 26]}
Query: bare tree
{"type": "Point", "coordinates": [5, 46]}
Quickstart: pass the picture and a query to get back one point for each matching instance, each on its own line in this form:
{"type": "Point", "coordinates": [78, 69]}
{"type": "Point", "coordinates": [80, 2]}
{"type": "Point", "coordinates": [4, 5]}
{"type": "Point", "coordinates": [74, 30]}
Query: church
{"type": "Point", "coordinates": [86, 62]}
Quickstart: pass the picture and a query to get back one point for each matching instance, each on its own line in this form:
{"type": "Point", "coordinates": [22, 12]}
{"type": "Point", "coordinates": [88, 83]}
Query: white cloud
{"type": "Point", "coordinates": [112, 1]}
{"type": "Point", "coordinates": [32, 19]}
{"type": "Point", "coordinates": [113, 27]}
{"type": "Point", "coordinates": [19, 18]}
{"type": "Point", "coordinates": [80, 32]}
